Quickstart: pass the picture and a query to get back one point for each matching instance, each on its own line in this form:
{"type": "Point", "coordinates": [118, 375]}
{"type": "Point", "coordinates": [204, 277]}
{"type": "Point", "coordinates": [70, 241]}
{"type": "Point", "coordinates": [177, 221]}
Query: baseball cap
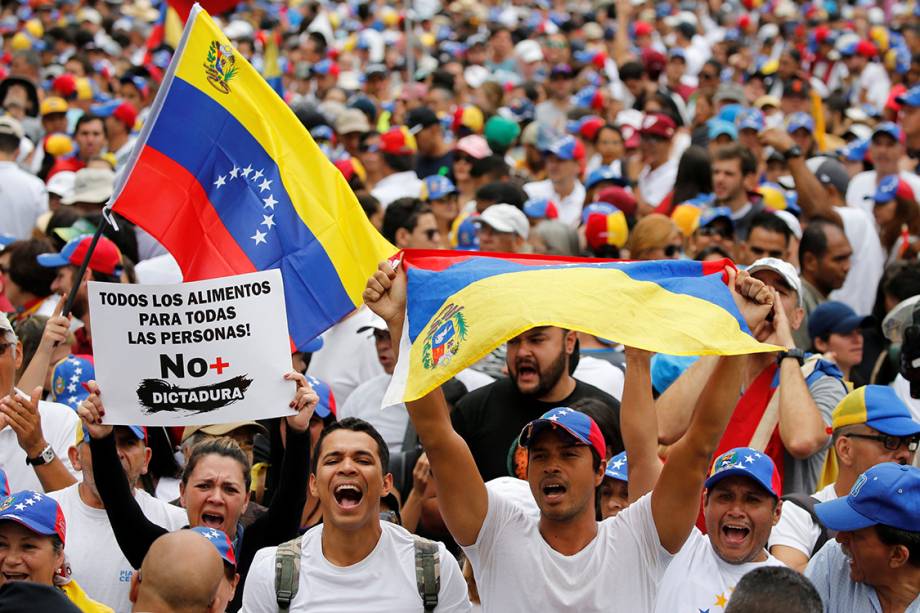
{"type": "Point", "coordinates": [467, 237]}
{"type": "Point", "coordinates": [796, 88]}
{"type": "Point", "coordinates": [642, 28]}
{"type": "Point", "coordinates": [729, 91]}
{"type": "Point", "coordinates": [420, 118]}
{"type": "Point", "coordinates": [374, 322]}
{"type": "Point", "coordinates": [891, 187]}
{"type": "Point", "coordinates": [326, 67]}
{"type": "Point", "coordinates": [326, 405]}
{"type": "Point", "coordinates": [854, 151]}
{"type": "Point", "coordinates": [834, 317]}
{"type": "Point", "coordinates": [687, 218]}
{"type": "Point", "coordinates": [91, 185]}
{"type": "Point", "coordinates": [617, 467]}
{"type": "Point", "coordinates": [765, 101]}
{"type": "Point", "coordinates": [223, 429]}
{"type": "Point", "coordinates": [375, 69]}
{"type": "Point", "coordinates": [877, 406]}
{"type": "Point", "coordinates": [139, 431]}
{"type": "Point", "coordinates": [886, 494]}
{"type": "Point", "coordinates": [910, 98]}
{"type": "Point", "coordinates": [53, 104]}
{"type": "Point", "coordinates": [783, 269]}
{"type": "Point", "coordinates": [505, 218]}
{"type": "Point", "coordinates": [606, 229]}
{"type": "Point", "coordinates": [37, 512]}
{"type": "Point", "coordinates": [657, 124]}
{"type": "Point", "coordinates": [5, 326]}
{"type": "Point", "coordinates": [119, 109]}
{"type": "Point", "coordinates": [221, 542]}
{"type": "Point", "coordinates": [578, 425]}
{"type": "Point", "coordinates": [501, 131]}
{"type": "Point", "coordinates": [11, 127]}
{"type": "Point", "coordinates": [398, 141]}
{"type": "Point", "coordinates": [710, 215]}
{"type": "Point", "coordinates": [67, 379]}
{"type": "Point", "coordinates": [561, 70]}
{"type": "Point", "coordinates": [541, 208]}
{"type": "Point", "coordinates": [746, 462]}
{"type": "Point", "coordinates": [750, 119]}
{"type": "Point", "coordinates": [62, 183]}
{"type": "Point", "coordinates": [528, 51]}
{"type": "Point", "coordinates": [800, 121]}
{"type": "Point", "coordinates": [830, 172]}
{"type": "Point", "coordinates": [474, 145]}
{"type": "Point", "coordinates": [719, 127]}
{"type": "Point", "coordinates": [602, 174]}
{"type": "Point", "coordinates": [435, 187]}
{"type": "Point", "coordinates": [106, 258]}
{"type": "Point", "coordinates": [595, 208]}
{"type": "Point", "coordinates": [352, 120]}
{"type": "Point", "coordinates": [567, 148]}
{"type": "Point", "coordinates": [620, 197]}
{"type": "Point", "coordinates": [887, 127]}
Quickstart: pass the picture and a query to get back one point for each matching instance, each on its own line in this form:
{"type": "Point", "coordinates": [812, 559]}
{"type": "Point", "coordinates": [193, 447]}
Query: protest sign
{"type": "Point", "coordinates": [197, 353]}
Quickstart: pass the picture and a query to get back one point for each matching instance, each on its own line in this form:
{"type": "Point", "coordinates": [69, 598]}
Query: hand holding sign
{"type": "Point", "coordinates": [91, 412]}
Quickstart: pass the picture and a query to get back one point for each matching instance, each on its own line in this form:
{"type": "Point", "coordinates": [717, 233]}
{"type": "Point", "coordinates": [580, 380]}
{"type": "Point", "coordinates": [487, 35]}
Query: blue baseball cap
{"type": "Point", "coordinates": [139, 431]}
{"type": "Point", "coordinates": [221, 542]}
{"type": "Point", "coordinates": [617, 468]}
{"type": "Point", "coordinates": [541, 208]}
{"type": "Point", "coordinates": [567, 148]}
{"type": "Point", "coordinates": [877, 406]}
{"type": "Point", "coordinates": [578, 425]}
{"type": "Point", "coordinates": [720, 212]}
{"type": "Point", "coordinates": [800, 121]}
{"type": "Point", "coordinates": [35, 511]}
{"type": "Point", "coordinates": [468, 234]}
{"type": "Point", "coordinates": [313, 346]}
{"type": "Point", "coordinates": [326, 405]}
{"type": "Point", "coordinates": [910, 98]}
{"type": "Point", "coordinates": [6, 239]}
{"type": "Point", "coordinates": [834, 317]}
{"type": "Point", "coordinates": [602, 208]}
{"type": "Point", "coordinates": [604, 173]}
{"type": "Point", "coordinates": [67, 379]}
{"type": "Point", "coordinates": [887, 127]}
{"type": "Point", "coordinates": [750, 119]}
{"type": "Point", "coordinates": [886, 494]}
{"type": "Point", "coordinates": [887, 189]}
{"type": "Point", "coordinates": [746, 462]}
{"type": "Point", "coordinates": [435, 187]}
{"type": "Point", "coordinates": [718, 127]}
{"type": "Point", "coordinates": [855, 151]}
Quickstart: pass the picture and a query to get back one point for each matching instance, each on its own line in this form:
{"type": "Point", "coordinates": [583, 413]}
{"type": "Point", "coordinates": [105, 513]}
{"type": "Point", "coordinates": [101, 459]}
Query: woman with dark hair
{"type": "Point", "coordinates": [694, 178]}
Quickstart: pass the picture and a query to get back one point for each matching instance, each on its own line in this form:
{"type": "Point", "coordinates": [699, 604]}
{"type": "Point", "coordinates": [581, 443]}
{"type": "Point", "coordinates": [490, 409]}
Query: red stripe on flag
{"type": "Point", "coordinates": [215, 253]}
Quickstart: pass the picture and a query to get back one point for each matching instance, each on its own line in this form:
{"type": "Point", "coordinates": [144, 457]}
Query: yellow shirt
{"type": "Point", "coordinates": [86, 604]}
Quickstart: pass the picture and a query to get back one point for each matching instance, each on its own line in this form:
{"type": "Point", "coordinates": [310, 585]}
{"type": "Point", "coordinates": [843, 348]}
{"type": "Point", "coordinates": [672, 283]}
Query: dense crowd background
{"type": "Point", "coordinates": [782, 135]}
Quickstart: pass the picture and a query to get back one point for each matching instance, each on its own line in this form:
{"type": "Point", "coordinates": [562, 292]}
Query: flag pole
{"type": "Point", "coordinates": [78, 279]}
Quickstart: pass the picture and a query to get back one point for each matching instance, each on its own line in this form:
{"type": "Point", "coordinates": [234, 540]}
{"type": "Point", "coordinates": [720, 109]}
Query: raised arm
{"type": "Point", "coordinates": [639, 424]}
{"type": "Point", "coordinates": [462, 493]}
{"type": "Point", "coordinates": [57, 331]}
{"type": "Point", "coordinates": [674, 407]}
{"type": "Point", "coordinates": [675, 499]}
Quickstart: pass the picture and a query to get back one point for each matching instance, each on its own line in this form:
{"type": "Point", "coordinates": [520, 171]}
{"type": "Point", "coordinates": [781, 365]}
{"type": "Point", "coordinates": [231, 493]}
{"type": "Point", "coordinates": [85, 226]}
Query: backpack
{"type": "Point", "coordinates": [427, 572]}
{"type": "Point", "coordinates": [808, 503]}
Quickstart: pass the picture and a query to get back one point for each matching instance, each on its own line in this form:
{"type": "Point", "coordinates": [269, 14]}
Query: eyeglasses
{"type": "Point", "coordinates": [891, 443]}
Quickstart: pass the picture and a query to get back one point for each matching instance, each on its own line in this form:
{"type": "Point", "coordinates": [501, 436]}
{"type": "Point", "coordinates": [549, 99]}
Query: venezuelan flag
{"type": "Point", "coordinates": [462, 306]}
{"type": "Point", "coordinates": [229, 181]}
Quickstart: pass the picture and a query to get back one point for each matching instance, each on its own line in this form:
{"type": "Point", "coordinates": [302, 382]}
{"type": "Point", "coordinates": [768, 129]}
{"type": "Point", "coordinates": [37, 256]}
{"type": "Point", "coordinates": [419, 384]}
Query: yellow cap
{"type": "Point", "coordinates": [53, 104]}
{"type": "Point", "coordinates": [687, 218]}
{"type": "Point", "coordinates": [772, 198]}
{"type": "Point", "coordinates": [58, 144]}
{"type": "Point", "coordinates": [84, 89]}
{"type": "Point", "coordinates": [34, 28]}
{"type": "Point", "coordinates": [21, 42]}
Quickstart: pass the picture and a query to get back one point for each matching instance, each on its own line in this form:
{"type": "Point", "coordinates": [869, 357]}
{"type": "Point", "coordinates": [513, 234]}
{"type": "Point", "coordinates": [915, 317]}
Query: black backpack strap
{"type": "Point", "coordinates": [427, 571]}
{"type": "Point", "coordinates": [287, 573]}
{"type": "Point", "coordinates": [808, 504]}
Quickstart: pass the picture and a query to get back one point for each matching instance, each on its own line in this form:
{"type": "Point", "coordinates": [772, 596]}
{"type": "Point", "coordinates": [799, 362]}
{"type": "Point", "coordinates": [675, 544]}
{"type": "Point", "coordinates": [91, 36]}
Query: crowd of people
{"type": "Point", "coordinates": [562, 470]}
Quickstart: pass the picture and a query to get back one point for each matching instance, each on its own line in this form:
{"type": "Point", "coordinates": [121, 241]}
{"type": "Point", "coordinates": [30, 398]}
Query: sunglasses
{"type": "Point", "coordinates": [891, 443]}
{"type": "Point", "coordinates": [462, 157]}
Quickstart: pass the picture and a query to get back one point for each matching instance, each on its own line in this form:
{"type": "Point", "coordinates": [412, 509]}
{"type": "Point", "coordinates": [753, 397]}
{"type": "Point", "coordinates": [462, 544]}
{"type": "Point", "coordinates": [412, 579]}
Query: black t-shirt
{"type": "Point", "coordinates": [426, 166]}
{"type": "Point", "coordinates": [491, 418]}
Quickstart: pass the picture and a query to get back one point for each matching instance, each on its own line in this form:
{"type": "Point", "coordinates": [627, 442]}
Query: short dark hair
{"type": "Point", "coordinates": [402, 213]}
{"type": "Point", "coordinates": [354, 425]}
{"type": "Point", "coordinates": [632, 70]}
{"type": "Point", "coordinates": [8, 143]}
{"type": "Point", "coordinates": [711, 249]}
{"type": "Point", "coordinates": [502, 191]}
{"type": "Point", "coordinates": [399, 163]}
{"type": "Point", "coordinates": [88, 117]}
{"type": "Point", "coordinates": [369, 204]}
{"type": "Point", "coordinates": [736, 152]}
{"type": "Point", "coordinates": [907, 538]}
{"type": "Point", "coordinates": [771, 222]}
{"type": "Point", "coordinates": [814, 238]}
{"type": "Point", "coordinates": [26, 272]}
{"type": "Point", "coordinates": [774, 589]}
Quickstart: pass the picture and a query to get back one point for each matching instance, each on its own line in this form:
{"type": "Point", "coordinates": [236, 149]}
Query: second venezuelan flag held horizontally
{"type": "Point", "coordinates": [459, 307]}
{"type": "Point", "coordinates": [229, 181]}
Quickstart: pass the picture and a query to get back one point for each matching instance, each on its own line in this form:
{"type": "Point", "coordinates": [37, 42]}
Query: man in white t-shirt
{"type": "Point", "coordinates": [353, 561]}
{"type": "Point", "coordinates": [95, 558]}
{"type": "Point", "coordinates": [527, 564]}
{"type": "Point", "coordinates": [564, 160]}
{"type": "Point", "coordinates": [871, 425]}
{"type": "Point", "coordinates": [741, 506]}
{"type": "Point", "coordinates": [885, 151]}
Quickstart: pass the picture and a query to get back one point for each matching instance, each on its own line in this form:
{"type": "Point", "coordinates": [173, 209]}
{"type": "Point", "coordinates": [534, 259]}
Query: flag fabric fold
{"type": "Point", "coordinates": [461, 306]}
{"type": "Point", "coordinates": [227, 179]}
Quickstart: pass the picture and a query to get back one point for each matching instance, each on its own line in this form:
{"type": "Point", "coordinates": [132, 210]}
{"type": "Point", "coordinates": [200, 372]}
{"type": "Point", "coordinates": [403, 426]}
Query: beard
{"type": "Point", "coordinates": [547, 377]}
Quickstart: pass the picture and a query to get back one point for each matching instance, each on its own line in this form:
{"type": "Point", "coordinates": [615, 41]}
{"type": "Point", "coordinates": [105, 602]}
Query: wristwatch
{"type": "Point", "coordinates": [45, 457]}
{"type": "Point", "coordinates": [792, 152]}
{"type": "Point", "coordinates": [795, 353]}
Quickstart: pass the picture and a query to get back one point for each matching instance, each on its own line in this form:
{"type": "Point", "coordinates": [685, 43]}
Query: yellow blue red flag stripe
{"type": "Point", "coordinates": [461, 306]}
{"type": "Point", "coordinates": [229, 181]}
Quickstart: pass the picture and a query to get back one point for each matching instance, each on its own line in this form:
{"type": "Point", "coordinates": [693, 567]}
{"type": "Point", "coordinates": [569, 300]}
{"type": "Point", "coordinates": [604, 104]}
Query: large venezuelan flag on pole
{"type": "Point", "coordinates": [461, 306]}
{"type": "Point", "coordinates": [229, 181]}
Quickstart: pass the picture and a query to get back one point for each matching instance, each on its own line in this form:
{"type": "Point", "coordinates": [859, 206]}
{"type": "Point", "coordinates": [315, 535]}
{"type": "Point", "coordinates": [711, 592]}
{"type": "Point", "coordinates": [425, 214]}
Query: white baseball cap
{"type": "Point", "coordinates": [783, 269]}
{"type": "Point", "coordinates": [505, 218]}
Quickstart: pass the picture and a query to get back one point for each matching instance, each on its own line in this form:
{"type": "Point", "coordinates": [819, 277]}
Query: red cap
{"type": "Point", "coordinates": [106, 256]}
{"type": "Point", "coordinates": [126, 114]}
{"type": "Point", "coordinates": [590, 127]}
{"type": "Point", "coordinates": [642, 28]}
{"type": "Point", "coordinates": [65, 85]}
{"type": "Point", "coordinates": [618, 197]}
{"type": "Point", "coordinates": [398, 141]}
{"type": "Point", "coordinates": [865, 48]}
{"type": "Point", "coordinates": [630, 136]}
{"type": "Point", "coordinates": [657, 124]}
{"type": "Point", "coordinates": [821, 34]}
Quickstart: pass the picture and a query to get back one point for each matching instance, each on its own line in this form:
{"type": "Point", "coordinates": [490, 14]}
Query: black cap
{"type": "Point", "coordinates": [420, 118]}
{"type": "Point", "coordinates": [796, 88]}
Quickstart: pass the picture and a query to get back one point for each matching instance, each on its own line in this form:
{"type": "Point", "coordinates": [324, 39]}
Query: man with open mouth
{"type": "Point", "coordinates": [741, 506]}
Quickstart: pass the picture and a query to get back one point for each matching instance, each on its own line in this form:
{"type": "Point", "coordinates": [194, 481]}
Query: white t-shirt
{"type": "Point", "coordinates": [867, 263]}
{"type": "Point", "coordinates": [347, 358]}
{"type": "Point", "coordinates": [699, 580]}
{"type": "Point", "coordinates": [383, 581]}
{"type": "Point", "coordinates": [569, 206]}
{"type": "Point", "coordinates": [654, 185]}
{"type": "Point", "coordinates": [796, 528]}
{"type": "Point", "coordinates": [96, 561]}
{"type": "Point", "coordinates": [24, 199]}
{"type": "Point", "coordinates": [516, 570]}
{"type": "Point", "coordinates": [601, 374]}
{"type": "Point", "coordinates": [861, 191]}
{"type": "Point", "coordinates": [59, 427]}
